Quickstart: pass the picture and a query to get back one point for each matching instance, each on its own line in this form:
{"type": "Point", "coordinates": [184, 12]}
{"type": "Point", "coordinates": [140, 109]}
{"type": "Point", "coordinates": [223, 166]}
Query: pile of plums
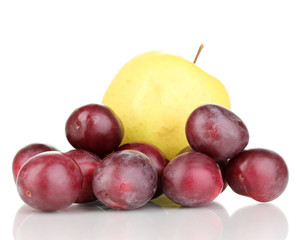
{"type": "Point", "coordinates": [130, 175]}
{"type": "Point", "coordinates": [216, 156]}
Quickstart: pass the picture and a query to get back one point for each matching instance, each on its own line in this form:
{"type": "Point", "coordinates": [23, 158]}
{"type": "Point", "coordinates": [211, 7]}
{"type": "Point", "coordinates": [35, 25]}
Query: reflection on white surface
{"type": "Point", "coordinates": [261, 221]}
{"type": "Point", "coordinates": [164, 220]}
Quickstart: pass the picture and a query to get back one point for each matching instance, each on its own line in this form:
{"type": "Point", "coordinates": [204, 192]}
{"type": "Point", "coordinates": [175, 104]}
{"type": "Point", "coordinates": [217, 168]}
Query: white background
{"type": "Point", "coordinates": [58, 55]}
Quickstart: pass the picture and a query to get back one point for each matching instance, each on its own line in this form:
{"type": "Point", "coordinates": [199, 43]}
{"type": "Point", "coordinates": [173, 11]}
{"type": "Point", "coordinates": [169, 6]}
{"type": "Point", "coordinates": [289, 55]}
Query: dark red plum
{"type": "Point", "coordinates": [192, 179]}
{"type": "Point", "coordinates": [87, 162]}
{"type": "Point", "coordinates": [258, 173]}
{"type": "Point", "coordinates": [125, 180]}
{"type": "Point", "coordinates": [49, 181]}
{"type": "Point", "coordinates": [24, 154]}
{"type": "Point", "coordinates": [95, 128]}
{"type": "Point", "coordinates": [216, 131]}
{"type": "Point", "coordinates": [221, 164]}
{"type": "Point", "coordinates": [157, 157]}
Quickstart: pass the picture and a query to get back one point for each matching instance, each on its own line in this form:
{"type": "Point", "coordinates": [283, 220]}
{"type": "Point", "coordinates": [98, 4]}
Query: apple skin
{"type": "Point", "coordinates": [154, 93]}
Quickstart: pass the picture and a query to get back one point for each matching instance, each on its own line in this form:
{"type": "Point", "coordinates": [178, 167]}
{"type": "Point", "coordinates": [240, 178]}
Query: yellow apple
{"type": "Point", "coordinates": [154, 94]}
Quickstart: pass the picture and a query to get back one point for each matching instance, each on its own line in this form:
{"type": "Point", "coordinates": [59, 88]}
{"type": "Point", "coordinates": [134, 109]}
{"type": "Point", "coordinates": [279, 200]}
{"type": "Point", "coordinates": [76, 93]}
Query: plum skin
{"type": "Point", "coordinates": [25, 153]}
{"type": "Point", "coordinates": [192, 179]}
{"type": "Point", "coordinates": [258, 173]}
{"type": "Point", "coordinates": [94, 128]}
{"type": "Point", "coordinates": [156, 156]}
{"type": "Point", "coordinates": [87, 163]}
{"type": "Point", "coordinates": [221, 164]}
{"type": "Point", "coordinates": [49, 181]}
{"type": "Point", "coordinates": [125, 180]}
{"type": "Point", "coordinates": [216, 131]}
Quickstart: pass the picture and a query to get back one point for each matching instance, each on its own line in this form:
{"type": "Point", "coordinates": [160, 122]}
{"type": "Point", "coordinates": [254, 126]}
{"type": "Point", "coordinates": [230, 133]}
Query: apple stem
{"type": "Point", "coordinates": [198, 52]}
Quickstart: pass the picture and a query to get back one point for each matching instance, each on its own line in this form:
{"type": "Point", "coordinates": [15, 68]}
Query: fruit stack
{"type": "Point", "coordinates": [128, 176]}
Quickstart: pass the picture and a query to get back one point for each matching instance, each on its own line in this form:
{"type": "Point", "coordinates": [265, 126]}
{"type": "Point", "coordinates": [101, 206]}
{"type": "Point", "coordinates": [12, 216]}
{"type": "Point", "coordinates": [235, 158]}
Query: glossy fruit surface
{"type": "Point", "coordinates": [24, 154]}
{"type": "Point", "coordinates": [154, 93]}
{"type": "Point", "coordinates": [192, 179]}
{"type": "Point", "coordinates": [87, 163]}
{"type": "Point", "coordinates": [258, 173]}
{"type": "Point", "coordinates": [125, 180]}
{"type": "Point", "coordinates": [49, 181]}
{"type": "Point", "coordinates": [216, 131]}
{"type": "Point", "coordinates": [157, 157]}
{"type": "Point", "coordinates": [221, 164]}
{"type": "Point", "coordinates": [95, 128]}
